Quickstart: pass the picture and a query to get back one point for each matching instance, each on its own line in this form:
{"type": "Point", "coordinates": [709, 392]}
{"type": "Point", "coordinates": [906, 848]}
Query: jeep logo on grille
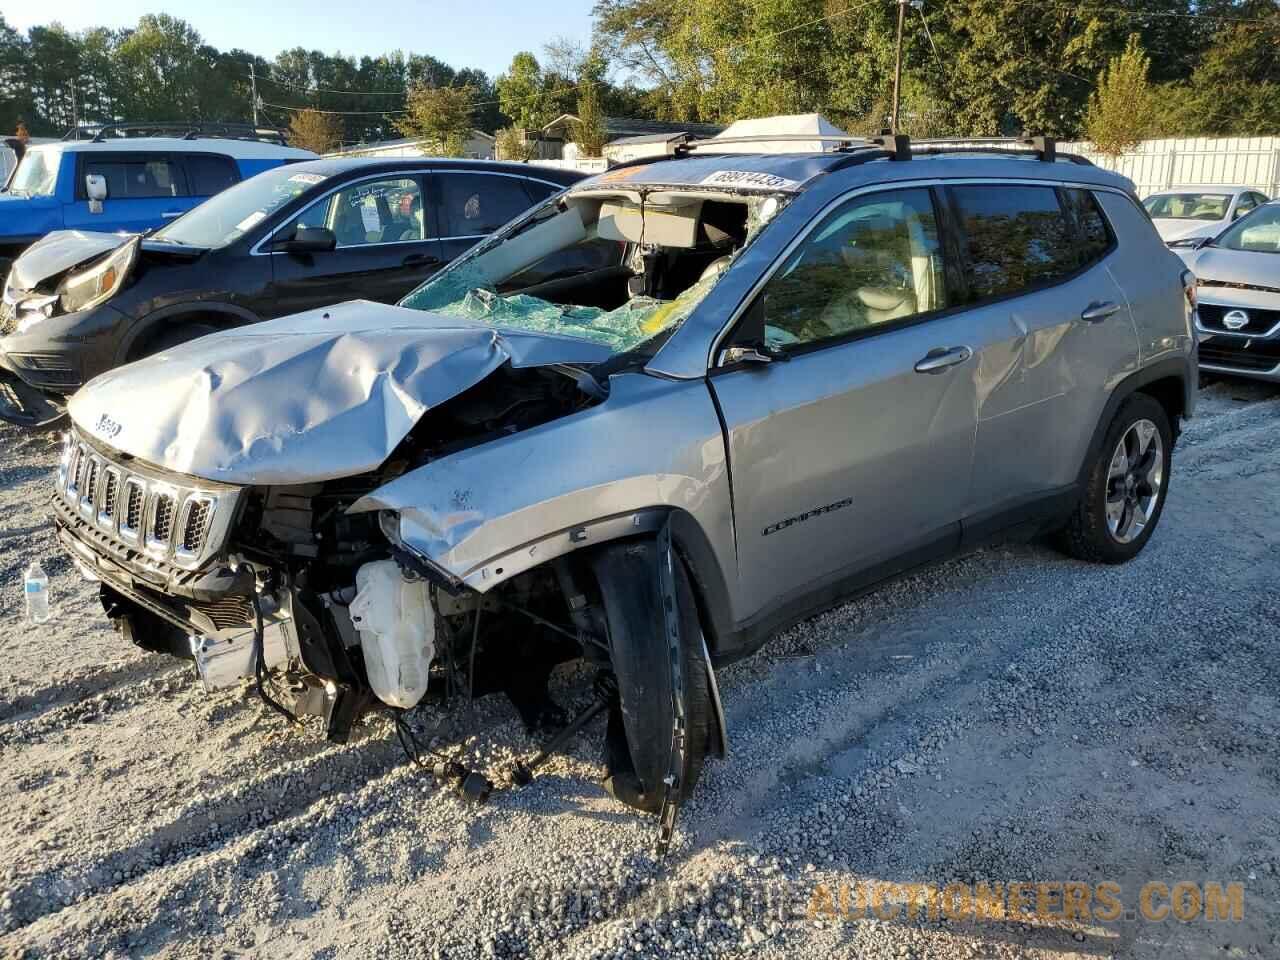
{"type": "Point", "coordinates": [107, 428]}
{"type": "Point", "coordinates": [1235, 320]}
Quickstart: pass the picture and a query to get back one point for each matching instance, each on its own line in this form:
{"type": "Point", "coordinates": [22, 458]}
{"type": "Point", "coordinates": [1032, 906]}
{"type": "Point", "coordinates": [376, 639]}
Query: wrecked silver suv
{"type": "Point", "coordinates": [660, 416]}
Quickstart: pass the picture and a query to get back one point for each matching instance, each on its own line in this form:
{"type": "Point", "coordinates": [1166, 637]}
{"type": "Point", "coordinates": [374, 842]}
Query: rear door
{"type": "Point", "coordinates": [144, 191]}
{"type": "Point", "coordinates": [1052, 330]}
{"type": "Point", "coordinates": [387, 244]}
{"type": "Point", "coordinates": [472, 204]}
{"type": "Point", "coordinates": [854, 453]}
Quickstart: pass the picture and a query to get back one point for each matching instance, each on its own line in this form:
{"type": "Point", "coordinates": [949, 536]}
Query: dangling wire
{"type": "Point", "coordinates": [471, 667]}
{"type": "Point", "coordinates": [259, 655]}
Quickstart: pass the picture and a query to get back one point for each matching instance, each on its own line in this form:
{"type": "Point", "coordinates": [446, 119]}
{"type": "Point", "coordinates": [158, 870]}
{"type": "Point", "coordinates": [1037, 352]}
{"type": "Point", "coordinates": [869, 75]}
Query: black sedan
{"type": "Point", "coordinates": [300, 236]}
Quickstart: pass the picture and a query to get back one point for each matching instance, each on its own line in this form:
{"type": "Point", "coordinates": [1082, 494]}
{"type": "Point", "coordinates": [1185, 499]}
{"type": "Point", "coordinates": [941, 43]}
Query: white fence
{"type": "Point", "coordinates": [584, 164]}
{"type": "Point", "coordinates": [1158, 165]}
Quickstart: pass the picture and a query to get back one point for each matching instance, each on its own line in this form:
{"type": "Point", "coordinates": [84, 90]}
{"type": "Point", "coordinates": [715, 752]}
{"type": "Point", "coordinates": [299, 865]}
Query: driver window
{"type": "Point", "coordinates": [875, 261]}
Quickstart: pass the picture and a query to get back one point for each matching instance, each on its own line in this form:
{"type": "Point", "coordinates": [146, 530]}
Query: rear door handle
{"type": "Point", "coordinates": [940, 359]}
{"type": "Point", "coordinates": [170, 214]}
{"type": "Point", "coordinates": [420, 260]}
{"type": "Point", "coordinates": [1098, 311]}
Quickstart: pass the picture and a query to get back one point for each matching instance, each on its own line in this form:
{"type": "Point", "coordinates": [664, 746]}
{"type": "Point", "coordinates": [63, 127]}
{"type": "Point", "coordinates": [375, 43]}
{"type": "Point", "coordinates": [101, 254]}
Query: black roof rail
{"type": "Point", "coordinates": [1044, 148]}
{"type": "Point", "coordinates": [177, 129]}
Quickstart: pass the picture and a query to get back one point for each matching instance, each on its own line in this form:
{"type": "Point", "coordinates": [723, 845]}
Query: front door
{"type": "Point", "coordinates": [144, 191]}
{"type": "Point", "coordinates": [386, 246]}
{"type": "Point", "coordinates": [853, 454]}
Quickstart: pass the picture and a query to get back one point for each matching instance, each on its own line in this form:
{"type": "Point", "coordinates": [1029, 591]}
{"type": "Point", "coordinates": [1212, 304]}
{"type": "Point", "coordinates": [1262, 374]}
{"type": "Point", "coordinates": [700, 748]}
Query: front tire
{"type": "Point", "coordinates": [1126, 487]}
{"type": "Point", "coordinates": [638, 738]}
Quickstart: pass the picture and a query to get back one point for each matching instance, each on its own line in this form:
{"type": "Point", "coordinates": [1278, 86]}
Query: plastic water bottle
{"type": "Point", "coordinates": [36, 587]}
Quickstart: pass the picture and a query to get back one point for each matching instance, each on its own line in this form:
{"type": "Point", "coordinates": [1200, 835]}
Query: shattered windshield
{"type": "Point", "coordinates": [623, 271]}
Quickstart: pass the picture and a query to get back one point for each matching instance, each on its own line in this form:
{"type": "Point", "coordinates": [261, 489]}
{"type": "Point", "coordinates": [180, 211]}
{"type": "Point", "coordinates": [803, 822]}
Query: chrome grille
{"type": "Point", "coordinates": [144, 509]}
{"type": "Point", "coordinates": [89, 487]}
{"type": "Point", "coordinates": [160, 529]}
{"type": "Point", "coordinates": [108, 496]}
{"type": "Point", "coordinates": [198, 513]}
{"type": "Point", "coordinates": [131, 522]}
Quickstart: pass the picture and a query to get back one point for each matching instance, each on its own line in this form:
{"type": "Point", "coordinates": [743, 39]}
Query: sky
{"type": "Point", "coordinates": [462, 33]}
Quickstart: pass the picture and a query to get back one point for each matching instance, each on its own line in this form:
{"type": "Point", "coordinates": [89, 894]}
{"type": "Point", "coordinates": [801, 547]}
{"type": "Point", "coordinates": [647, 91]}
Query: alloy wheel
{"type": "Point", "coordinates": [1134, 481]}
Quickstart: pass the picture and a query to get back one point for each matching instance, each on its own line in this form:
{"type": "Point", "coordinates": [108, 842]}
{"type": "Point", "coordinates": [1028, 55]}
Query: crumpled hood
{"type": "Point", "coordinates": [1174, 229]}
{"type": "Point", "coordinates": [314, 396]}
{"type": "Point", "coordinates": [59, 252]}
{"type": "Point", "coordinates": [1235, 266]}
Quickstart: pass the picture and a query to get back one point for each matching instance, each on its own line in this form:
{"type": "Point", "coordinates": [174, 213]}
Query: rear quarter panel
{"type": "Point", "coordinates": [1149, 274]}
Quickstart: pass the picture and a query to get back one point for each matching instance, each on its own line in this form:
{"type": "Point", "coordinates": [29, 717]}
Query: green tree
{"type": "Point", "coordinates": [509, 144]}
{"type": "Point", "coordinates": [163, 67]}
{"type": "Point", "coordinates": [441, 115]}
{"type": "Point", "coordinates": [15, 92]}
{"type": "Point", "coordinates": [315, 131]}
{"type": "Point", "coordinates": [524, 95]}
{"type": "Point", "coordinates": [1121, 110]}
{"type": "Point", "coordinates": [591, 133]}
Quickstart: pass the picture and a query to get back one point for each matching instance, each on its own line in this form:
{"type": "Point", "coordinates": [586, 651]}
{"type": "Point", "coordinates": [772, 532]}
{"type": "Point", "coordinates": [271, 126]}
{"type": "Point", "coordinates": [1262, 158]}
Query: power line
{"type": "Point", "coordinates": [1080, 9]}
{"type": "Point", "coordinates": [728, 48]}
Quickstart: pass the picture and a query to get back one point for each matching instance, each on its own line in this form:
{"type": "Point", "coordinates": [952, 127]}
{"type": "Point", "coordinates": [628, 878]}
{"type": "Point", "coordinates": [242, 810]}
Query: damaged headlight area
{"type": "Point", "coordinates": [217, 571]}
{"type": "Point", "coordinates": [87, 288]}
{"type": "Point", "coordinates": [330, 615]}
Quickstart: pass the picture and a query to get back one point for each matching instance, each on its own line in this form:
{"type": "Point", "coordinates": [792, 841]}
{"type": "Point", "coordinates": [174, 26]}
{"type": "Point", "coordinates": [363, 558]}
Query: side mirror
{"type": "Point", "coordinates": [95, 185]}
{"type": "Point", "coordinates": [308, 240]}
{"type": "Point", "coordinates": [748, 343]}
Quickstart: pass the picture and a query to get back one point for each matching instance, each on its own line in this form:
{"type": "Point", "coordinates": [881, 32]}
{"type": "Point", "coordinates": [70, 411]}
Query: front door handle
{"type": "Point", "coordinates": [1098, 311]}
{"type": "Point", "coordinates": [420, 260]}
{"type": "Point", "coordinates": [940, 359]}
{"type": "Point", "coordinates": [170, 214]}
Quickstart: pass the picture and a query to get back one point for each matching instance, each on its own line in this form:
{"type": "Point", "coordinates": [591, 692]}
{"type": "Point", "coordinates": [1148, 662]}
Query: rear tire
{"type": "Point", "coordinates": [638, 738]}
{"type": "Point", "coordinates": [1126, 487]}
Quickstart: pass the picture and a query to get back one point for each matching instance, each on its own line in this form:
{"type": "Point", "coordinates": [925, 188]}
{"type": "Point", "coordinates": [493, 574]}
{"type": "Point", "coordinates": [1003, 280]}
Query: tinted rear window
{"type": "Point", "coordinates": [478, 204]}
{"type": "Point", "coordinates": [207, 175]}
{"type": "Point", "coordinates": [1095, 238]}
{"type": "Point", "coordinates": [138, 177]}
{"type": "Point", "coordinates": [1014, 238]}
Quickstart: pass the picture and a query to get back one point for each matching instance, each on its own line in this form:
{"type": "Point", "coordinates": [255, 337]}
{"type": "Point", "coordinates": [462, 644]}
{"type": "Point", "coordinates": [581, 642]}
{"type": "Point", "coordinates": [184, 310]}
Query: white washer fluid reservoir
{"type": "Point", "coordinates": [397, 629]}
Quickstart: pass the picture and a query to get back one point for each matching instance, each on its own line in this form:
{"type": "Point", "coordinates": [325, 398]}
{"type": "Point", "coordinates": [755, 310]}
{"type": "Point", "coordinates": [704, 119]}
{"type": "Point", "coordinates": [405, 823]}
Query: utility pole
{"type": "Point", "coordinates": [897, 68]}
{"type": "Point", "coordinates": [253, 91]}
{"type": "Point", "coordinates": [75, 114]}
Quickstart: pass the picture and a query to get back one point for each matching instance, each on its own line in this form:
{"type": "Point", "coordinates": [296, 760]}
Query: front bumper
{"type": "Point", "coordinates": [58, 355]}
{"type": "Point", "coordinates": [1252, 352]}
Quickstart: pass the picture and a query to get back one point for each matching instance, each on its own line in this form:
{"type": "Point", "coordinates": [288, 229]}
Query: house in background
{"type": "Point", "coordinates": [556, 141]}
{"type": "Point", "coordinates": [479, 146]}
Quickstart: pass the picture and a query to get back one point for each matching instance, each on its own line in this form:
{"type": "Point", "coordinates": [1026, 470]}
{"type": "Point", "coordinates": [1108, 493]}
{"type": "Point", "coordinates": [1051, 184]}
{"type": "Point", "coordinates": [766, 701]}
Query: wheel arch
{"type": "Point", "coordinates": [1170, 382]}
{"type": "Point", "coordinates": [220, 316]}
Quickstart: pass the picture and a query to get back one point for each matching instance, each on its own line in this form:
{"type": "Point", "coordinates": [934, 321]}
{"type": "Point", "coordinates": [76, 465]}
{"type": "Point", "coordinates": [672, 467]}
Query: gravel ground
{"type": "Point", "coordinates": [1013, 716]}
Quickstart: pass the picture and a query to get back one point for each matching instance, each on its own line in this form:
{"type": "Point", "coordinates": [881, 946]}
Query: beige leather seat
{"type": "Point", "coordinates": [865, 307]}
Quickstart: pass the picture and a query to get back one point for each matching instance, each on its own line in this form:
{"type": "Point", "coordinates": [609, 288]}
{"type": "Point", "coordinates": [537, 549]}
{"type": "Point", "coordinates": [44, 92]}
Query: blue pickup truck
{"type": "Point", "coordinates": [120, 184]}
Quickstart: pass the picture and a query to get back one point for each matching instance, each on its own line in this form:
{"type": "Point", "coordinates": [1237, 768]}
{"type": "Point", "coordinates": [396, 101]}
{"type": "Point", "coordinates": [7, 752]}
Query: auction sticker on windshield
{"type": "Point", "coordinates": [749, 178]}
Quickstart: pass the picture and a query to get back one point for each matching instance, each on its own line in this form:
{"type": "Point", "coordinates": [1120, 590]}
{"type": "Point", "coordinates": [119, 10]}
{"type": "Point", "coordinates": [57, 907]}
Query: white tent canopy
{"type": "Point", "coordinates": [790, 131]}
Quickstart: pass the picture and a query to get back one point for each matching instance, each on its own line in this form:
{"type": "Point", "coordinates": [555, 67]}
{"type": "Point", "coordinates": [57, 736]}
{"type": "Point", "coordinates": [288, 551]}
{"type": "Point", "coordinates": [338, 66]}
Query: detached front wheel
{"type": "Point", "coordinates": [658, 658]}
{"type": "Point", "coordinates": [1126, 488]}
